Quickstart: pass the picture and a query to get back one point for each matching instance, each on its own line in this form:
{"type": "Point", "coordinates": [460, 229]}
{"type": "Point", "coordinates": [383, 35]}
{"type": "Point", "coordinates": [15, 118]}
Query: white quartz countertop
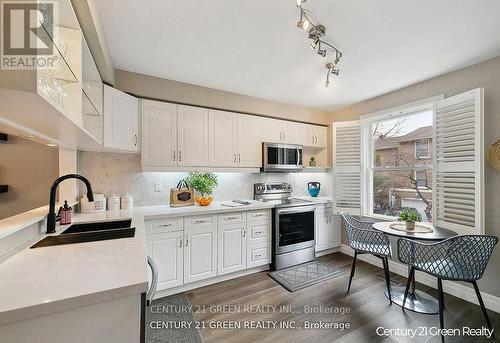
{"type": "Point", "coordinates": [215, 207]}
{"type": "Point", "coordinates": [50, 279]}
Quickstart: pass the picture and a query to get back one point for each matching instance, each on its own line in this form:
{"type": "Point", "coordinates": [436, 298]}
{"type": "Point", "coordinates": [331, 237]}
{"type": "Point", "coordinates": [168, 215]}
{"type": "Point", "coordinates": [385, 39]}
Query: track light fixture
{"type": "Point", "coordinates": [316, 35]}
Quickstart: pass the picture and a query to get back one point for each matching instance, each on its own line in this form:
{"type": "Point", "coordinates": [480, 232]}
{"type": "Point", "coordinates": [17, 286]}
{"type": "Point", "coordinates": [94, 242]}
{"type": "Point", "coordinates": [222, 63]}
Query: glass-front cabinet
{"type": "Point", "coordinates": [92, 95]}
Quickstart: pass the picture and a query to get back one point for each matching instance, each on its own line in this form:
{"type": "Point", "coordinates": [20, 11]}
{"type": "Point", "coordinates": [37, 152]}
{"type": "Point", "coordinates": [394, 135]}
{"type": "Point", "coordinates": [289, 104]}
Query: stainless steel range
{"type": "Point", "coordinates": [293, 225]}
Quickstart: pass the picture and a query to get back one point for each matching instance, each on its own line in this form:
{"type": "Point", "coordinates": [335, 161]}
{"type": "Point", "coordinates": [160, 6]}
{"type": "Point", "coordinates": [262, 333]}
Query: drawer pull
{"type": "Point", "coordinates": [258, 215]}
{"type": "Point", "coordinates": [200, 221]}
{"type": "Point", "coordinates": [258, 232]}
{"type": "Point", "coordinates": [232, 218]}
{"type": "Point", "coordinates": [258, 255]}
{"type": "Point", "coordinates": [165, 225]}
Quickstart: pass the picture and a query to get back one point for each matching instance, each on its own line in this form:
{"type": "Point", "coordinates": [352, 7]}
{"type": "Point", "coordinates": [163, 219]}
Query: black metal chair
{"type": "Point", "coordinates": [363, 239]}
{"type": "Point", "coordinates": [459, 258]}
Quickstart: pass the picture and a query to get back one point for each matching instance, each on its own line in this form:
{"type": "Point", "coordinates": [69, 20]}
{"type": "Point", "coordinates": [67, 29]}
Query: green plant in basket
{"type": "Point", "coordinates": [203, 183]}
{"type": "Point", "coordinates": [410, 217]}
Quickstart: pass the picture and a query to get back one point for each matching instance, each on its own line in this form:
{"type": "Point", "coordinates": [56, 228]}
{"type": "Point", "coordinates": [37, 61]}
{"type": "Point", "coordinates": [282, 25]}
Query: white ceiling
{"type": "Point", "coordinates": [253, 47]}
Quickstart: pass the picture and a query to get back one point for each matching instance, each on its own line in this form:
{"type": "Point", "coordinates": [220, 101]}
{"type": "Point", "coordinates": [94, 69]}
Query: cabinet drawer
{"type": "Point", "coordinates": [258, 255]}
{"type": "Point", "coordinates": [164, 225]}
{"type": "Point", "coordinates": [232, 218]}
{"type": "Point", "coordinates": [259, 230]}
{"type": "Point", "coordinates": [200, 221]}
{"type": "Point", "coordinates": [259, 215]}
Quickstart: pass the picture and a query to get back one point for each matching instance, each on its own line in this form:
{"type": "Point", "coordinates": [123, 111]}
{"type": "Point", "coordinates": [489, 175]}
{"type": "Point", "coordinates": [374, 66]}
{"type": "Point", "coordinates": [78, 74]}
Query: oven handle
{"type": "Point", "coordinates": [154, 282]}
{"type": "Point", "coordinates": [298, 156]}
{"type": "Point", "coordinates": [297, 209]}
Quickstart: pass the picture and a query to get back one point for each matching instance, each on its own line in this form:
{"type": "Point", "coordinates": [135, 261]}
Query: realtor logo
{"type": "Point", "coordinates": [28, 32]}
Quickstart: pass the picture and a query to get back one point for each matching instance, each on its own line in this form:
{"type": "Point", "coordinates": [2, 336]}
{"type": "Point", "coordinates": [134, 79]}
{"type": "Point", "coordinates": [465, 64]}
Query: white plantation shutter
{"type": "Point", "coordinates": [458, 170]}
{"type": "Point", "coordinates": [347, 167]}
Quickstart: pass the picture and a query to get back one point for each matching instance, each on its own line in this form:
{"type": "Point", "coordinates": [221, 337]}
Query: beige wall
{"type": "Point", "coordinates": [168, 90]}
{"type": "Point", "coordinates": [29, 169]}
{"type": "Point", "coordinates": [486, 75]}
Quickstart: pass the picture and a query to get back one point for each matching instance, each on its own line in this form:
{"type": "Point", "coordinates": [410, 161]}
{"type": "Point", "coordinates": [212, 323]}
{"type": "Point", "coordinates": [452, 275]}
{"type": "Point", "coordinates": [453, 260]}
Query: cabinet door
{"type": "Point", "coordinates": [272, 130]}
{"type": "Point", "coordinates": [321, 232]}
{"type": "Point", "coordinates": [192, 136]}
{"type": "Point", "coordinates": [309, 135]}
{"type": "Point", "coordinates": [321, 134]}
{"type": "Point", "coordinates": [334, 230]}
{"type": "Point", "coordinates": [200, 253]}
{"type": "Point", "coordinates": [166, 251]}
{"type": "Point", "coordinates": [249, 141]}
{"type": "Point", "coordinates": [293, 133]}
{"type": "Point", "coordinates": [223, 141]}
{"type": "Point", "coordinates": [159, 133]}
{"type": "Point", "coordinates": [232, 245]}
{"type": "Point", "coordinates": [121, 120]}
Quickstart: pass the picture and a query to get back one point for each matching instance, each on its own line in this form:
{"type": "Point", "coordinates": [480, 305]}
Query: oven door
{"type": "Point", "coordinates": [294, 228]}
{"type": "Point", "coordinates": [282, 157]}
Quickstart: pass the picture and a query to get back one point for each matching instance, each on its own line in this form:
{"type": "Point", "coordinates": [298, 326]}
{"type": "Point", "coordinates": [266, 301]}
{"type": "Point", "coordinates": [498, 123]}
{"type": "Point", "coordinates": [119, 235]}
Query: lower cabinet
{"type": "Point", "coordinates": [194, 248]}
{"type": "Point", "coordinates": [232, 244]}
{"type": "Point", "coordinates": [200, 253]}
{"type": "Point", "coordinates": [327, 231]}
{"type": "Point", "coordinates": [167, 251]}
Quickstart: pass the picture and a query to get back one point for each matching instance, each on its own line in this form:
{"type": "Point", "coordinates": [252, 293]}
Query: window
{"type": "Point", "coordinates": [399, 173]}
{"type": "Point", "coordinates": [422, 148]}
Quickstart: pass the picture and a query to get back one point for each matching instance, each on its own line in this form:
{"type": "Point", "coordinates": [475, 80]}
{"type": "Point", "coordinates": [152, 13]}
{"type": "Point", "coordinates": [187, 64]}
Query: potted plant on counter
{"type": "Point", "coordinates": [410, 217]}
{"type": "Point", "coordinates": [203, 184]}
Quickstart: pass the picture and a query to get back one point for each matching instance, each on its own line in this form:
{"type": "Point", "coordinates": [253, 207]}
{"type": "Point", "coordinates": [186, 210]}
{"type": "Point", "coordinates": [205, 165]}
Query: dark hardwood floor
{"type": "Point", "coordinates": [369, 307]}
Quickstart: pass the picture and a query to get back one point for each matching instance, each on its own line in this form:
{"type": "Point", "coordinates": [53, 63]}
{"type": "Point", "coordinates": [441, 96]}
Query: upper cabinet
{"type": "Point", "coordinates": [121, 120]}
{"type": "Point", "coordinates": [315, 136]}
{"type": "Point", "coordinates": [47, 101]}
{"type": "Point", "coordinates": [235, 140]}
{"type": "Point", "coordinates": [92, 95]}
{"type": "Point", "coordinates": [283, 131]}
{"type": "Point", "coordinates": [173, 135]}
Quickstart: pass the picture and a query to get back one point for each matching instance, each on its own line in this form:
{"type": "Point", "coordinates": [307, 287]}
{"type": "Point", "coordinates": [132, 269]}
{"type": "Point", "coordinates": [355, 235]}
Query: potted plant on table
{"type": "Point", "coordinates": [410, 217]}
{"type": "Point", "coordinates": [203, 184]}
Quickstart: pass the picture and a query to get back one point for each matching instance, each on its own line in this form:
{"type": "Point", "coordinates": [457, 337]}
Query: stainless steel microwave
{"type": "Point", "coordinates": [279, 157]}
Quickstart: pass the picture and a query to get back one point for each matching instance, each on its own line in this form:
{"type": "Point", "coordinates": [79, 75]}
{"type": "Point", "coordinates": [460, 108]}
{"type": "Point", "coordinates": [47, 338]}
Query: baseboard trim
{"type": "Point", "coordinates": [327, 251]}
{"type": "Point", "coordinates": [454, 288]}
{"type": "Point", "coordinates": [210, 281]}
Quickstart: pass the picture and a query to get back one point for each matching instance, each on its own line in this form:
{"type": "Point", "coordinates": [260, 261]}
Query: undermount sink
{"type": "Point", "coordinates": [89, 232]}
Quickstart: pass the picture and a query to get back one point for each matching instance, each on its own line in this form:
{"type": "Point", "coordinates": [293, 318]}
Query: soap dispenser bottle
{"type": "Point", "coordinates": [66, 213]}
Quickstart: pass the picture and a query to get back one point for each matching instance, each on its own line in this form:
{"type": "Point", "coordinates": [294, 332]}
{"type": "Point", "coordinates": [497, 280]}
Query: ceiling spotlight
{"type": "Point", "coordinates": [321, 52]}
{"type": "Point", "coordinates": [303, 23]}
{"type": "Point", "coordinates": [314, 43]}
{"type": "Point", "coordinates": [300, 2]}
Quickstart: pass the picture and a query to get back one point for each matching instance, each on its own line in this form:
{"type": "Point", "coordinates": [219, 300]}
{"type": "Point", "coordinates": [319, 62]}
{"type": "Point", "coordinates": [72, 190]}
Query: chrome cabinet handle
{"type": "Point", "coordinates": [239, 158]}
{"type": "Point", "coordinates": [136, 139]}
{"type": "Point", "coordinates": [284, 136]}
{"type": "Point", "coordinates": [312, 139]}
{"type": "Point", "coordinates": [187, 240]}
{"type": "Point", "coordinates": [258, 232]}
{"type": "Point", "coordinates": [200, 221]}
{"type": "Point", "coordinates": [180, 243]}
{"type": "Point", "coordinates": [180, 155]}
{"type": "Point", "coordinates": [234, 158]}
{"type": "Point", "coordinates": [281, 136]}
{"type": "Point", "coordinates": [165, 225]}
{"type": "Point", "coordinates": [174, 154]}
{"type": "Point", "coordinates": [244, 232]}
{"type": "Point", "coordinates": [258, 255]}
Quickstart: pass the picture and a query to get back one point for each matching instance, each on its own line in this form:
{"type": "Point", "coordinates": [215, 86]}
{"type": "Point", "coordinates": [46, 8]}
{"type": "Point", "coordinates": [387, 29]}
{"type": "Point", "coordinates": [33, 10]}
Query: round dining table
{"type": "Point", "coordinates": [416, 301]}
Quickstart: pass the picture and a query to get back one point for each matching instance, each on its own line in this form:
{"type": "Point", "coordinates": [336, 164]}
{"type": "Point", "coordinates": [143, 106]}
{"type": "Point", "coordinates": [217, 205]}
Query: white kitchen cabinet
{"type": "Point", "coordinates": [272, 130]}
{"type": "Point", "coordinates": [223, 142]}
{"type": "Point", "coordinates": [200, 253]}
{"type": "Point", "coordinates": [174, 135]}
{"type": "Point", "coordinates": [282, 131]}
{"type": "Point", "coordinates": [232, 248]}
{"type": "Point", "coordinates": [121, 120]}
{"type": "Point", "coordinates": [327, 231]}
{"type": "Point", "coordinates": [249, 141]}
{"type": "Point", "coordinates": [192, 136]}
{"type": "Point", "coordinates": [166, 249]}
{"type": "Point", "coordinates": [321, 231]}
{"type": "Point", "coordinates": [315, 136]}
{"type": "Point", "coordinates": [159, 133]}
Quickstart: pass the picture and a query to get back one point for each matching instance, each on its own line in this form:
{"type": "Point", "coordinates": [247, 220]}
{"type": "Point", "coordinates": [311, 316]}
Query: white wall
{"type": "Point", "coordinates": [115, 173]}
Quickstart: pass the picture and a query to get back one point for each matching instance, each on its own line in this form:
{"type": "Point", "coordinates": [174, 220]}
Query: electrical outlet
{"type": "Point", "coordinates": [157, 186]}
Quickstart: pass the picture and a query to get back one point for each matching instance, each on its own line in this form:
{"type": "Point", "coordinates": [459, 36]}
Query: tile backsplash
{"type": "Point", "coordinates": [117, 173]}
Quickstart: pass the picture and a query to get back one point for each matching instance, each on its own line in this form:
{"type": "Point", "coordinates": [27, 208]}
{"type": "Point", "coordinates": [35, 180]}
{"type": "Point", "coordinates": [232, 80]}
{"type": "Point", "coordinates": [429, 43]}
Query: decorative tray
{"type": "Point", "coordinates": [418, 228]}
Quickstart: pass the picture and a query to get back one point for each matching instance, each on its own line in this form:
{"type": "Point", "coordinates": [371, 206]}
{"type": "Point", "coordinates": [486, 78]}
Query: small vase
{"type": "Point", "coordinates": [312, 163]}
{"type": "Point", "coordinates": [203, 200]}
{"type": "Point", "coordinates": [410, 226]}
